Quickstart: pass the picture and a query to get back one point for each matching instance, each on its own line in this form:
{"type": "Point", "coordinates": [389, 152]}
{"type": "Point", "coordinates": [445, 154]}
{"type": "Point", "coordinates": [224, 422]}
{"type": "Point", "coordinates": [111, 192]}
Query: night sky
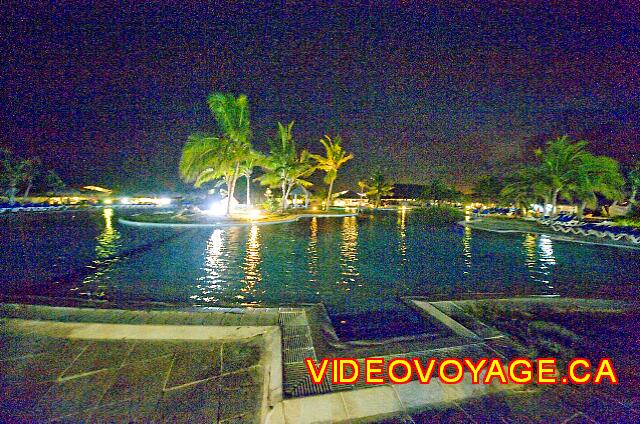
{"type": "Point", "coordinates": [108, 93]}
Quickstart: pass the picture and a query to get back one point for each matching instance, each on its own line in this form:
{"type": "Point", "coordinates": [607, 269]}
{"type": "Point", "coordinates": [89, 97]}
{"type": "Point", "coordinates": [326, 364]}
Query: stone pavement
{"type": "Point", "coordinates": [71, 371]}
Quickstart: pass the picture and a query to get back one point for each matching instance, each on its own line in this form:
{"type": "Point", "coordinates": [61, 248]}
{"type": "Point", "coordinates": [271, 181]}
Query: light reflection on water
{"type": "Point", "coordinates": [252, 272]}
{"type": "Point", "coordinates": [349, 252]}
{"type": "Point", "coordinates": [466, 251]}
{"type": "Point", "coordinates": [377, 258]}
{"type": "Point", "coordinates": [540, 259]}
{"type": "Point", "coordinates": [312, 250]}
{"type": "Point", "coordinates": [215, 266]}
{"type": "Point", "coordinates": [402, 229]}
{"type": "Point", "coordinates": [107, 247]}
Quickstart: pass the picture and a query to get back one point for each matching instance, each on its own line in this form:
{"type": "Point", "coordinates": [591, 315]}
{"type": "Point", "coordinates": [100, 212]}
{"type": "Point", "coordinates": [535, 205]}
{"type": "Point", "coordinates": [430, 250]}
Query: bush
{"type": "Point", "coordinates": [440, 215]}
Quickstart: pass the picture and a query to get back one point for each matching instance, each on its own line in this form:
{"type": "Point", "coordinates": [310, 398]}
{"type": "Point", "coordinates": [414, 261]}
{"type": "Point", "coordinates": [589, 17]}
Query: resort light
{"type": "Point", "coordinates": [217, 208]}
{"type": "Point", "coordinates": [255, 214]}
{"type": "Point", "coordinates": [125, 201]}
{"type": "Point", "coordinates": [163, 201]}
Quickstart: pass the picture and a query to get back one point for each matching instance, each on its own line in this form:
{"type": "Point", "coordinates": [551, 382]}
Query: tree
{"type": "Point", "coordinates": [438, 190]}
{"type": "Point", "coordinates": [12, 171]}
{"type": "Point", "coordinates": [596, 174]}
{"type": "Point", "coordinates": [53, 182]}
{"type": "Point", "coordinates": [560, 164]}
{"type": "Point", "coordinates": [377, 186]}
{"type": "Point", "coordinates": [246, 169]}
{"type": "Point", "coordinates": [331, 163]}
{"type": "Point", "coordinates": [31, 170]}
{"type": "Point", "coordinates": [524, 186]}
{"type": "Point", "coordinates": [284, 167]}
{"type": "Point", "coordinates": [634, 181]}
{"type": "Point", "coordinates": [487, 189]}
{"type": "Point", "coordinates": [206, 157]}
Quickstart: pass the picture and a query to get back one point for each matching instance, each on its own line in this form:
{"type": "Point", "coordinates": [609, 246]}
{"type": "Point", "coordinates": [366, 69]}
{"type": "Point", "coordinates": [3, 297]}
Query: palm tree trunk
{"type": "Point", "coordinates": [232, 188]}
{"type": "Point", "coordinates": [248, 177]}
{"type": "Point", "coordinates": [283, 205]}
{"type": "Point", "coordinates": [12, 191]}
{"type": "Point", "coordinates": [581, 207]}
{"type": "Point", "coordinates": [554, 201]}
{"type": "Point", "coordinates": [378, 196]}
{"type": "Point", "coordinates": [329, 195]}
{"type": "Point", "coordinates": [288, 192]}
{"type": "Point", "coordinates": [634, 193]}
{"type": "Point", "coordinates": [28, 190]}
{"type": "Point", "coordinates": [306, 199]}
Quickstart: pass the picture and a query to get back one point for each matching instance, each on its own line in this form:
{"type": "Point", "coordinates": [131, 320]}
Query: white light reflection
{"type": "Point", "coordinates": [214, 268]}
{"type": "Point", "coordinates": [252, 261]}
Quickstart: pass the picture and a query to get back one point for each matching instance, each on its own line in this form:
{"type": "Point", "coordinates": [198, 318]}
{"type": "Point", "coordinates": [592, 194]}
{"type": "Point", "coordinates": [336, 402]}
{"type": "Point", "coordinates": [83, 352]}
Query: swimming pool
{"type": "Point", "coordinates": [354, 265]}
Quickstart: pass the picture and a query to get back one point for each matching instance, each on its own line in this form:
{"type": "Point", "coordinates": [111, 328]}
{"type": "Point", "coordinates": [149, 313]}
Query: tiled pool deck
{"type": "Point", "coordinates": [234, 365]}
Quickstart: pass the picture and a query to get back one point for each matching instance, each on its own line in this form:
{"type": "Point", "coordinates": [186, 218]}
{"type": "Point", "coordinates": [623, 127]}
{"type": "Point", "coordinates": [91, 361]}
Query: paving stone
{"type": "Point", "coordinates": [443, 414]}
{"type": "Point", "coordinates": [488, 409]}
{"type": "Point", "coordinates": [150, 349]}
{"type": "Point", "coordinates": [19, 400]}
{"type": "Point", "coordinates": [588, 401]}
{"type": "Point", "coordinates": [75, 395]}
{"type": "Point", "coordinates": [240, 401]}
{"type": "Point", "coordinates": [194, 365]}
{"type": "Point", "coordinates": [20, 344]}
{"type": "Point", "coordinates": [41, 367]}
{"type": "Point", "coordinates": [414, 395]}
{"type": "Point", "coordinates": [100, 355]}
{"type": "Point", "coordinates": [249, 418]}
{"type": "Point", "coordinates": [213, 319]}
{"type": "Point", "coordinates": [238, 355]}
{"type": "Point", "coordinates": [248, 377]}
{"type": "Point", "coordinates": [320, 409]}
{"type": "Point", "coordinates": [139, 381]}
{"type": "Point", "coordinates": [375, 401]}
{"type": "Point", "coordinates": [197, 403]}
{"type": "Point", "coordinates": [536, 406]}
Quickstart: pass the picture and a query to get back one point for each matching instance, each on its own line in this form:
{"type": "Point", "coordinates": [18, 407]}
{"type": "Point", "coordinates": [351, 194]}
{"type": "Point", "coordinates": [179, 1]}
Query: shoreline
{"type": "Point", "coordinates": [492, 225]}
{"type": "Point", "coordinates": [283, 220]}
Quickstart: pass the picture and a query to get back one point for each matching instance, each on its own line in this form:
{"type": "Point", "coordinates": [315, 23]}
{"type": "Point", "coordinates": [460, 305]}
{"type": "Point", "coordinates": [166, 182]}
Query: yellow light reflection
{"type": "Point", "coordinates": [402, 226]}
{"type": "Point", "coordinates": [466, 250]}
{"type": "Point", "coordinates": [107, 244]}
{"type": "Point", "coordinates": [349, 251]}
{"type": "Point", "coordinates": [312, 250]}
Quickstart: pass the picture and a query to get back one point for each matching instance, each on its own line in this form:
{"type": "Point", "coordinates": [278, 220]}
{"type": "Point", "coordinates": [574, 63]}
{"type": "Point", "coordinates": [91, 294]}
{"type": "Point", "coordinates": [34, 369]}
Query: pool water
{"type": "Point", "coordinates": [356, 266]}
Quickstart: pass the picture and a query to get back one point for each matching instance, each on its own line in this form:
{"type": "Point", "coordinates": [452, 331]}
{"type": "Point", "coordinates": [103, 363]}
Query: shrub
{"type": "Point", "coordinates": [440, 215]}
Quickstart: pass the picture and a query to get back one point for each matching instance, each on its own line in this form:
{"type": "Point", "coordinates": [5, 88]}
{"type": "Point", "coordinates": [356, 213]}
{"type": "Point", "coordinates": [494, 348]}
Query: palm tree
{"type": "Point", "coordinates": [283, 167]}
{"type": "Point", "coordinates": [634, 181]}
{"type": "Point", "coordinates": [206, 157]}
{"type": "Point", "coordinates": [246, 169]}
{"type": "Point", "coordinates": [377, 186]}
{"type": "Point", "coordinates": [560, 165]}
{"type": "Point", "coordinates": [334, 159]}
{"type": "Point", "coordinates": [31, 171]}
{"type": "Point", "coordinates": [597, 174]}
{"type": "Point", "coordinates": [12, 171]}
{"type": "Point", "coordinates": [438, 191]}
{"type": "Point", "coordinates": [524, 186]}
{"type": "Point", "coordinates": [53, 182]}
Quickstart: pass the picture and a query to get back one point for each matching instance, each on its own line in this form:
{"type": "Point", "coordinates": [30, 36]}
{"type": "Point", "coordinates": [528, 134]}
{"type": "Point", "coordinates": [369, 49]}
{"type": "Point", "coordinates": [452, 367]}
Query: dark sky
{"type": "Point", "coordinates": [108, 92]}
